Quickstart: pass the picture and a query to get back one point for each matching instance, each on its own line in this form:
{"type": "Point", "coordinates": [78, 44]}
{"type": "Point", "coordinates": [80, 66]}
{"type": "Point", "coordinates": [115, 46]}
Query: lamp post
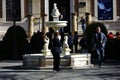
{"type": "Point", "coordinates": [14, 55]}
{"type": "Point", "coordinates": [14, 12]}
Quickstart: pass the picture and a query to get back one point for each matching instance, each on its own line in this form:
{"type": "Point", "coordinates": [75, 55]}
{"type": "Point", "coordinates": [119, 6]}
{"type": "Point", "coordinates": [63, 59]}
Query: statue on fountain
{"type": "Point", "coordinates": [55, 13]}
{"type": "Point", "coordinates": [46, 40]}
{"type": "Point", "coordinates": [66, 49]}
{"type": "Point", "coordinates": [45, 50]}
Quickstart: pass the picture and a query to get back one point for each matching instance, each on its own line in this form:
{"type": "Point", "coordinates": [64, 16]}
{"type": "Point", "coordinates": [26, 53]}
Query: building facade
{"type": "Point", "coordinates": [32, 14]}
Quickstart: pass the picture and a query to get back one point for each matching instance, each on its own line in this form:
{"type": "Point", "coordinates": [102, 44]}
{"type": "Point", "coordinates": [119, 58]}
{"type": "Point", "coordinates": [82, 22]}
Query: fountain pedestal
{"type": "Point", "coordinates": [74, 61]}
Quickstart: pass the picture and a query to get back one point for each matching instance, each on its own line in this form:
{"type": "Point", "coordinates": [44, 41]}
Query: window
{"type": "Point", "coordinates": [13, 10]}
{"type": "Point", "coordinates": [0, 8]}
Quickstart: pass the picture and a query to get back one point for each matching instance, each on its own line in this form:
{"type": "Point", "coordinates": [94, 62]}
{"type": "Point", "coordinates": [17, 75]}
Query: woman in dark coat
{"type": "Point", "coordinates": [56, 50]}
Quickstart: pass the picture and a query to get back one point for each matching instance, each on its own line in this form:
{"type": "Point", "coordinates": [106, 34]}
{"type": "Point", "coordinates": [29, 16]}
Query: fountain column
{"type": "Point", "coordinates": [56, 25]}
{"type": "Point", "coordinates": [55, 14]}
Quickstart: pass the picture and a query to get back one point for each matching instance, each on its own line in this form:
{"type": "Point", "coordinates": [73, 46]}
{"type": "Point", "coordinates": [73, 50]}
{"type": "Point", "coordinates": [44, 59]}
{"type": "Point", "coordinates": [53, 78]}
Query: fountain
{"type": "Point", "coordinates": [45, 59]}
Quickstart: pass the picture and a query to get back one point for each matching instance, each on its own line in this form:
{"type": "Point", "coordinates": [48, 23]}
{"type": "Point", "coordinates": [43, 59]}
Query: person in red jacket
{"type": "Point", "coordinates": [110, 35]}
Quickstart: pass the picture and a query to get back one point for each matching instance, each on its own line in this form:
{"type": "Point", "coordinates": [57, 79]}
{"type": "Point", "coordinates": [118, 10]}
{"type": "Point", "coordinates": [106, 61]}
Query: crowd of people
{"type": "Point", "coordinates": [104, 45]}
{"type": "Point", "coordinates": [113, 45]}
{"type": "Point", "coordinates": [75, 44]}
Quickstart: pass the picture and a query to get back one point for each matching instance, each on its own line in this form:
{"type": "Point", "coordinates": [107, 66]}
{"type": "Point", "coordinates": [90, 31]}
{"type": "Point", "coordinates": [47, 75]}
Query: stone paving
{"type": "Point", "coordinates": [13, 70]}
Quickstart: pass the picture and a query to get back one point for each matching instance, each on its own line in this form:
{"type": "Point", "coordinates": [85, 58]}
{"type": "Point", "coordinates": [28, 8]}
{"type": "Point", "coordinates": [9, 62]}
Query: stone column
{"type": "Point", "coordinates": [31, 26]}
{"type": "Point", "coordinates": [44, 28]}
{"type": "Point", "coordinates": [74, 23]}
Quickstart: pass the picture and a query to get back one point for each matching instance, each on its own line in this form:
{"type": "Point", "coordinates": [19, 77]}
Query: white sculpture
{"type": "Point", "coordinates": [66, 49]}
{"type": "Point", "coordinates": [65, 43]}
{"type": "Point", "coordinates": [45, 50]}
{"type": "Point", "coordinates": [46, 40]}
{"type": "Point", "coordinates": [56, 24]}
{"type": "Point", "coordinates": [55, 13]}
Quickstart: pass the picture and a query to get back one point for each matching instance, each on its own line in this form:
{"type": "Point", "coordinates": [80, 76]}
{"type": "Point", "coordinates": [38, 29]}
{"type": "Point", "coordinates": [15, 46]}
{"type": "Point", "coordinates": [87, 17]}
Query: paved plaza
{"type": "Point", "coordinates": [13, 70]}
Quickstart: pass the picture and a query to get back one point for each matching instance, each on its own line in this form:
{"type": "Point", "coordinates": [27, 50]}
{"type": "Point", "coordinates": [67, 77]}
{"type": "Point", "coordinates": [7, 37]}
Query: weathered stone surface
{"type": "Point", "coordinates": [73, 61]}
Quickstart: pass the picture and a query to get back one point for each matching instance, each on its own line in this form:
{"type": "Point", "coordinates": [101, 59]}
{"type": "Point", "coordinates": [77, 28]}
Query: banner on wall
{"type": "Point", "coordinates": [105, 9]}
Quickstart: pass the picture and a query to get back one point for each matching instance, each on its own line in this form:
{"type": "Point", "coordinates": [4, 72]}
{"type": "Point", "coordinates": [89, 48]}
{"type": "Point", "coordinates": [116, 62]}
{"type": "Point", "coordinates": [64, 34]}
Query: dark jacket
{"type": "Point", "coordinates": [56, 45]}
{"type": "Point", "coordinates": [95, 40]}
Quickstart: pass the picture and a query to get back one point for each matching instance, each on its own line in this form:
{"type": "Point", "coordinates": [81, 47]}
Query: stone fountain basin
{"type": "Point", "coordinates": [56, 24]}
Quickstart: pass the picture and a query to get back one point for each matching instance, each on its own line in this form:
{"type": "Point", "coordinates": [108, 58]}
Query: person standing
{"type": "Point", "coordinates": [83, 21]}
{"type": "Point", "coordinates": [99, 40]}
{"type": "Point", "coordinates": [84, 44]}
{"type": "Point", "coordinates": [75, 41]}
{"type": "Point", "coordinates": [56, 50]}
{"type": "Point", "coordinates": [116, 46]}
{"type": "Point", "coordinates": [70, 41]}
